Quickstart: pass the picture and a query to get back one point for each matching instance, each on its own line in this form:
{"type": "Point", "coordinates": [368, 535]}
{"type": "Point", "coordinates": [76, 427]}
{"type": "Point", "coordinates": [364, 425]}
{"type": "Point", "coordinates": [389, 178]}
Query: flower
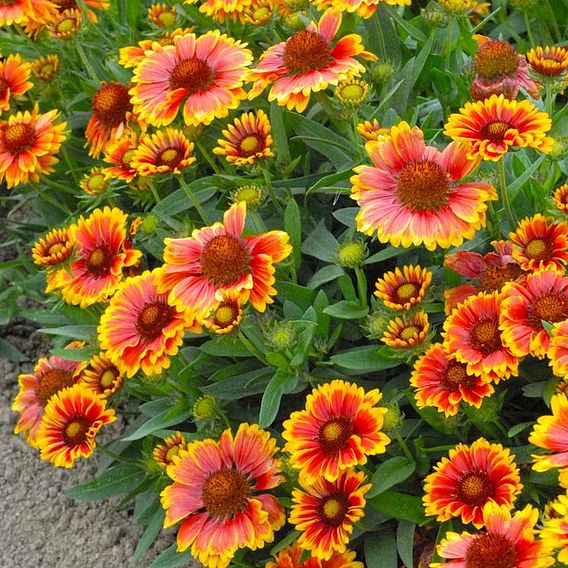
{"type": "Point", "coordinates": [407, 331]}
{"type": "Point", "coordinates": [492, 126]}
{"type": "Point", "coordinates": [471, 333]}
{"type": "Point", "coordinates": [120, 153]}
{"type": "Point", "coordinates": [412, 195]}
{"type": "Point", "coordinates": [172, 446]}
{"type": "Point", "coordinates": [558, 349]}
{"type": "Point", "coordinates": [227, 313]}
{"type": "Point", "coordinates": [102, 376]}
{"type": "Point", "coordinates": [14, 75]}
{"type": "Point", "coordinates": [46, 67]}
{"type": "Point", "coordinates": [207, 71]}
{"type": "Point", "coordinates": [506, 542]}
{"type": "Point", "coordinates": [351, 92]}
{"type": "Point", "coordinates": [555, 531]}
{"type": "Point", "coordinates": [94, 182]}
{"type": "Point", "coordinates": [66, 24]}
{"type": "Point", "coordinates": [53, 248]}
{"type": "Point", "coordinates": [403, 289]}
{"type": "Point", "coordinates": [351, 254]}
{"type": "Point", "coordinates": [326, 511]}
{"type": "Point", "coordinates": [205, 407]}
{"type": "Point", "coordinates": [140, 329]}
{"type": "Point", "coordinates": [247, 140]}
{"type": "Point", "coordinates": [548, 61]}
{"type": "Point", "coordinates": [219, 494]}
{"type": "Point", "coordinates": [443, 382]}
{"type": "Point", "coordinates": [252, 195]}
{"type": "Point", "coordinates": [290, 557]}
{"type": "Point", "coordinates": [543, 296]}
{"type": "Point", "coordinates": [363, 8]}
{"type": "Point", "coordinates": [560, 198]}
{"type": "Point", "coordinates": [36, 389]}
{"type": "Point", "coordinates": [472, 476]}
{"type": "Point", "coordinates": [308, 61]}
{"type": "Point", "coordinates": [28, 144]}
{"type": "Point", "coordinates": [166, 151]}
{"type": "Point", "coordinates": [18, 11]}
{"type": "Point", "coordinates": [340, 427]}
{"type": "Point", "coordinates": [71, 421]}
{"type": "Point", "coordinates": [162, 15]}
{"type": "Point", "coordinates": [549, 433]}
{"type": "Point", "coordinates": [215, 259]}
{"type": "Point", "coordinates": [373, 131]}
{"type": "Point", "coordinates": [220, 10]}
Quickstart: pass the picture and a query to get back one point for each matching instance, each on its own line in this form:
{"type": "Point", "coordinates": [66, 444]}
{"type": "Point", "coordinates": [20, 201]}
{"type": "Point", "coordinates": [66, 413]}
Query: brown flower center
{"type": "Point", "coordinates": [474, 488]}
{"type": "Point", "coordinates": [495, 59]}
{"type": "Point", "coordinates": [75, 431]}
{"type": "Point", "coordinates": [495, 131]}
{"type": "Point", "coordinates": [456, 375]}
{"type": "Point", "coordinates": [551, 308]}
{"type": "Point", "coordinates": [100, 260]}
{"type": "Point", "coordinates": [18, 137]}
{"type": "Point", "coordinates": [225, 492]}
{"type": "Point", "coordinates": [226, 314]}
{"type": "Point", "coordinates": [423, 186]}
{"type": "Point", "coordinates": [225, 259]}
{"type": "Point", "coordinates": [111, 103]}
{"type": "Point", "coordinates": [192, 74]}
{"type": "Point", "coordinates": [251, 145]}
{"type": "Point", "coordinates": [485, 336]}
{"type": "Point", "coordinates": [51, 382]}
{"type": "Point", "coordinates": [153, 318]}
{"type": "Point", "coordinates": [170, 157]}
{"type": "Point", "coordinates": [335, 434]}
{"type": "Point", "coordinates": [538, 249]}
{"type": "Point", "coordinates": [495, 277]}
{"type": "Point", "coordinates": [333, 508]}
{"type": "Point", "coordinates": [306, 51]}
{"type": "Point", "coordinates": [406, 291]}
{"type": "Point", "coordinates": [491, 551]}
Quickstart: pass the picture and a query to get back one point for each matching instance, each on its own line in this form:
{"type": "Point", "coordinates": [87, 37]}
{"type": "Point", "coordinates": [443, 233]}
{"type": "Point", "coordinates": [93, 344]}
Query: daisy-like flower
{"type": "Point", "coordinates": [403, 289]}
{"type": "Point", "coordinates": [372, 131]}
{"type": "Point", "coordinates": [166, 151]}
{"type": "Point", "coordinates": [506, 542]}
{"type": "Point", "coordinates": [162, 15]}
{"type": "Point", "coordinates": [140, 329]}
{"type": "Point", "coordinates": [472, 334]}
{"type": "Point", "coordinates": [28, 144]}
{"type": "Point", "coordinates": [291, 557]}
{"type": "Point", "coordinates": [120, 153]}
{"type": "Point", "coordinates": [172, 446]}
{"type": "Point", "coordinates": [53, 248]}
{"type": "Point", "coordinates": [14, 75]}
{"type": "Point", "coordinates": [66, 24]}
{"type": "Point", "coordinates": [492, 126]}
{"type": "Point", "coordinates": [219, 494]}
{"type": "Point", "coordinates": [541, 244]}
{"type": "Point", "coordinates": [217, 259]}
{"type": "Point", "coordinates": [94, 182]}
{"type": "Point", "coordinates": [472, 476]}
{"type": "Point", "coordinates": [499, 69]}
{"type": "Point", "coordinates": [308, 62]}
{"type": "Point", "coordinates": [407, 331]}
{"type": "Point", "coordinates": [326, 511]}
{"type": "Point", "coordinates": [259, 12]}
{"type": "Point", "coordinates": [412, 194]}
{"type": "Point", "coordinates": [247, 140]}
{"type": "Point", "coordinates": [363, 8]}
{"type": "Point", "coordinates": [543, 296]}
{"type": "Point", "coordinates": [36, 389]}
{"type": "Point", "coordinates": [560, 198]}
{"type": "Point", "coordinates": [351, 92]}
{"type": "Point", "coordinates": [555, 531]}
{"type": "Point", "coordinates": [227, 314]}
{"type": "Point", "coordinates": [549, 61]}
{"type": "Point", "coordinates": [46, 67]}
{"type": "Point", "coordinates": [102, 376]}
{"type": "Point", "coordinates": [207, 71]}
{"type": "Point", "coordinates": [19, 11]}
{"type": "Point", "coordinates": [558, 350]}
{"type": "Point", "coordinates": [443, 382]}
{"type": "Point", "coordinates": [101, 254]}
{"type": "Point", "coordinates": [221, 10]}
{"type": "Point", "coordinates": [71, 421]}
{"type": "Point", "coordinates": [340, 427]}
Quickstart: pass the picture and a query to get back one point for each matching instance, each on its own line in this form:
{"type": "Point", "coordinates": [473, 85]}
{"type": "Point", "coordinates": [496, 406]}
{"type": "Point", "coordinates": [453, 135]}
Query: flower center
{"type": "Point", "coordinates": [456, 375]}
{"type": "Point", "coordinates": [167, 19]}
{"type": "Point", "coordinates": [67, 25]}
{"type": "Point", "coordinates": [224, 259]}
{"type": "Point", "coordinates": [76, 431]}
{"type": "Point", "coordinates": [127, 157]}
{"type": "Point", "coordinates": [335, 434]}
{"type": "Point", "coordinates": [306, 51]}
{"type": "Point", "coordinates": [485, 336]}
{"type": "Point", "coordinates": [537, 249]}
{"type": "Point", "coordinates": [495, 131]}
{"type": "Point", "coordinates": [406, 291]}
{"type": "Point", "coordinates": [153, 318]}
{"type": "Point", "coordinates": [423, 185]}
{"type": "Point", "coordinates": [491, 551]}
{"type": "Point", "coordinates": [551, 308]}
{"type": "Point", "coordinates": [409, 332]}
{"type": "Point", "coordinates": [495, 59]}
{"type": "Point", "coordinates": [225, 492]}
{"type": "Point", "coordinates": [51, 382]}
{"type": "Point", "coordinates": [173, 451]}
{"type": "Point", "coordinates": [18, 137]}
{"type": "Point", "coordinates": [352, 92]}
{"type": "Point", "coordinates": [55, 248]}
{"type": "Point", "coordinates": [97, 183]}
{"type": "Point", "coordinates": [100, 260]}
{"type": "Point", "coordinates": [333, 508]}
{"type": "Point", "coordinates": [108, 377]}
{"type": "Point", "coordinates": [474, 488]}
{"type": "Point", "coordinates": [226, 314]}
{"type": "Point", "coordinates": [250, 145]}
{"type": "Point", "coordinates": [192, 74]}
{"type": "Point", "coordinates": [170, 157]}
{"type": "Point", "coordinates": [495, 277]}
{"type": "Point", "coordinates": [111, 103]}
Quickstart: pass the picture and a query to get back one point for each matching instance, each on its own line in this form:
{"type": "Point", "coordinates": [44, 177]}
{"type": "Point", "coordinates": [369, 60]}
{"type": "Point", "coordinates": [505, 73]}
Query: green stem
{"type": "Point", "coordinates": [193, 200]}
{"type": "Point", "coordinates": [86, 63]}
{"type": "Point", "coordinates": [404, 447]}
{"type": "Point", "coordinates": [207, 156]}
{"type": "Point", "coordinates": [528, 28]}
{"type": "Point", "coordinates": [258, 222]}
{"type": "Point", "coordinates": [549, 98]}
{"type": "Point", "coordinates": [154, 191]}
{"type": "Point", "coordinates": [449, 42]}
{"type": "Point", "coordinates": [361, 286]}
{"type": "Point", "coordinates": [504, 195]}
{"type": "Point", "coordinates": [381, 36]}
{"type": "Point", "coordinates": [251, 347]}
{"type": "Point", "coordinates": [270, 190]}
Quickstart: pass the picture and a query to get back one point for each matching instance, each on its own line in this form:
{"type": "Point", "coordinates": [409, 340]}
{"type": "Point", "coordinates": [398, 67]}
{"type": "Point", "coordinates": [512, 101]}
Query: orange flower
{"type": "Point", "coordinates": [20, 11]}
{"type": "Point", "coordinates": [413, 194]}
{"type": "Point", "coordinates": [162, 15]}
{"type": "Point", "coordinates": [14, 75]}
{"type": "Point", "coordinates": [363, 8]}
{"type": "Point", "coordinates": [227, 313]}
{"type": "Point", "coordinates": [46, 67]}
{"type": "Point", "coordinates": [308, 61]}
{"type": "Point", "coordinates": [66, 24]}
{"type": "Point", "coordinates": [120, 154]}
{"type": "Point", "coordinates": [172, 446]}
{"type": "Point", "coordinates": [53, 248]}
{"type": "Point", "coordinates": [443, 382]}
{"type": "Point", "coordinates": [543, 296]}
{"type": "Point", "coordinates": [247, 140]}
{"type": "Point", "coordinates": [492, 126]}
{"type": "Point", "coordinates": [219, 494]}
{"type": "Point", "coordinates": [220, 10]}
{"type": "Point", "coordinates": [325, 513]}
{"type": "Point", "coordinates": [94, 182]}
{"type": "Point", "coordinates": [407, 331]}
{"type": "Point", "coordinates": [558, 350]}
{"type": "Point", "coordinates": [28, 142]}
{"type": "Point", "coordinates": [555, 531]}
{"type": "Point", "coordinates": [549, 61]}
{"type": "Point", "coordinates": [472, 476]}
{"type": "Point", "coordinates": [403, 289]}
{"type": "Point", "coordinates": [71, 421]}
{"type": "Point", "coordinates": [560, 198]}
{"type": "Point", "coordinates": [207, 71]}
{"type": "Point", "coordinates": [373, 131]}
{"type": "Point", "coordinates": [102, 376]}
{"type": "Point", "coordinates": [471, 333]}
{"type": "Point", "coordinates": [291, 557]}
{"type": "Point", "coordinates": [506, 542]}
{"type": "Point", "coordinates": [140, 329]}
{"type": "Point", "coordinates": [338, 429]}
{"type": "Point", "coordinates": [217, 259]}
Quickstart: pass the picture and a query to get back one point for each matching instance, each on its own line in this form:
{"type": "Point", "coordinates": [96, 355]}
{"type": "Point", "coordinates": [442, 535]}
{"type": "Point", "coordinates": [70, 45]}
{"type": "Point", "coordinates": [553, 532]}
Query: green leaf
{"type": "Point", "coordinates": [390, 473]}
{"type": "Point", "coordinates": [324, 275]}
{"type": "Point", "coordinates": [405, 541]}
{"type": "Point", "coordinates": [171, 558]}
{"type": "Point", "coordinates": [399, 506]}
{"type": "Point", "coordinates": [331, 179]}
{"type": "Point", "coordinates": [177, 202]}
{"type": "Point", "coordinates": [11, 352]}
{"type": "Point", "coordinates": [152, 531]}
{"type": "Point", "coordinates": [281, 383]}
{"type": "Point", "coordinates": [114, 481]}
{"type": "Point", "coordinates": [279, 133]}
{"type": "Point", "coordinates": [386, 253]}
{"type": "Point", "coordinates": [225, 346]}
{"type": "Point", "coordinates": [347, 309]}
{"type": "Point", "coordinates": [83, 354]}
{"type": "Point", "coordinates": [241, 386]}
{"type": "Point", "coordinates": [321, 244]}
{"type": "Point", "coordinates": [380, 550]}
{"type": "Point", "coordinates": [169, 417]}
{"type": "Point", "coordinates": [77, 332]}
{"type": "Point", "coordinates": [293, 226]}
{"type": "Point", "coordinates": [364, 359]}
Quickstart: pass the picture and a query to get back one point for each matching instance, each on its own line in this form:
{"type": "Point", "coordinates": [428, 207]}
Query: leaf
{"type": "Point", "coordinates": [321, 244]}
{"type": "Point", "coordinates": [11, 352]}
{"type": "Point", "coordinates": [399, 505]}
{"type": "Point", "coordinates": [380, 550]}
{"type": "Point", "coordinates": [152, 531]}
{"type": "Point", "coordinates": [77, 332]}
{"type": "Point", "coordinates": [331, 179]}
{"type": "Point", "coordinates": [364, 359]}
{"type": "Point", "coordinates": [225, 346]}
{"type": "Point", "coordinates": [83, 354]}
{"type": "Point", "coordinates": [241, 386]}
{"type": "Point", "coordinates": [390, 473]}
{"type": "Point", "coordinates": [171, 558]}
{"type": "Point", "coordinates": [324, 275]}
{"type": "Point", "coordinates": [347, 309]}
{"type": "Point", "coordinates": [114, 481]}
{"type": "Point", "coordinates": [347, 216]}
{"type": "Point", "coordinates": [281, 383]}
{"type": "Point", "coordinates": [386, 253]}
{"type": "Point", "coordinates": [279, 133]}
{"type": "Point", "coordinates": [405, 541]}
{"type": "Point", "coordinates": [178, 201]}
{"type": "Point", "coordinates": [169, 417]}
{"type": "Point", "coordinates": [293, 226]}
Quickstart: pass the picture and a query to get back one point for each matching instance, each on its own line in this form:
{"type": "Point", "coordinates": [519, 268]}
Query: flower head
{"type": "Point", "coordinates": [560, 197]}
{"type": "Point", "coordinates": [94, 182]}
{"type": "Point", "coordinates": [66, 24]}
{"type": "Point", "coordinates": [53, 248]}
{"type": "Point", "coordinates": [227, 313]}
{"type": "Point", "coordinates": [548, 61]}
{"type": "Point", "coordinates": [102, 376]}
{"type": "Point", "coordinates": [407, 331]}
{"type": "Point", "coordinates": [14, 75]}
{"type": "Point", "coordinates": [351, 92]}
{"type": "Point", "coordinates": [46, 67]}
{"type": "Point", "coordinates": [555, 531]}
{"type": "Point", "coordinates": [291, 557]}
{"type": "Point", "coordinates": [162, 15]}
{"type": "Point", "coordinates": [373, 131]}
{"type": "Point", "coordinates": [120, 154]}
{"type": "Point", "coordinates": [403, 289]}
{"type": "Point", "coordinates": [363, 8]}
{"type": "Point", "coordinates": [172, 446]}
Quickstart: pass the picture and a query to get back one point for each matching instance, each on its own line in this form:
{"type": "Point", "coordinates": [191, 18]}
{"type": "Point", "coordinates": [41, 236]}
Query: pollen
{"type": "Point", "coordinates": [410, 332]}
{"type": "Point", "coordinates": [56, 248]}
{"type": "Point", "coordinates": [474, 488]}
{"type": "Point", "coordinates": [170, 157]}
{"type": "Point", "coordinates": [495, 277]}
{"type": "Point", "coordinates": [18, 137]}
{"type": "Point", "coordinates": [333, 509]}
{"type": "Point", "coordinates": [51, 382]}
{"type": "Point", "coordinates": [306, 51]}
{"type": "Point", "coordinates": [334, 434]}
{"type": "Point", "coordinates": [226, 314]}
{"type": "Point", "coordinates": [552, 308]}
{"type": "Point", "coordinates": [108, 377]}
{"type": "Point", "coordinates": [225, 259]}
{"type": "Point", "coordinates": [225, 492]}
{"type": "Point", "coordinates": [495, 131]}
{"type": "Point", "coordinates": [456, 375]}
{"type": "Point", "coordinates": [75, 431]}
{"type": "Point", "coordinates": [153, 318]}
{"type": "Point", "coordinates": [423, 186]}
{"type": "Point", "coordinates": [192, 74]}
{"type": "Point", "coordinates": [491, 551]}
{"type": "Point", "coordinates": [537, 249]}
{"type": "Point", "coordinates": [406, 291]}
{"type": "Point", "coordinates": [494, 59]}
{"type": "Point", "coordinates": [485, 336]}
{"type": "Point", "coordinates": [100, 260]}
{"type": "Point", "coordinates": [251, 145]}
{"type": "Point", "coordinates": [111, 103]}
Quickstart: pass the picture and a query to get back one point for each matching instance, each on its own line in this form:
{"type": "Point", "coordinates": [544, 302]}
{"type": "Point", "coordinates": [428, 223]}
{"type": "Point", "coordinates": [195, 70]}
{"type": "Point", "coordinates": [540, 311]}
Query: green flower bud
{"type": "Point", "coordinates": [435, 15]}
{"type": "Point", "coordinates": [150, 224]}
{"type": "Point", "coordinates": [352, 254]}
{"type": "Point", "coordinates": [205, 407]}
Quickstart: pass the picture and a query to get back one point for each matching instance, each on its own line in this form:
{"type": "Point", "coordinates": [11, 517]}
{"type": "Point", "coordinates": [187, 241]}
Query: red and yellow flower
{"type": "Point", "coordinates": [19, 11]}
{"type": "Point", "coordinates": [227, 313]}
{"type": "Point", "coordinates": [372, 131]}
{"type": "Point", "coordinates": [247, 140]}
{"type": "Point", "coordinates": [207, 71]}
{"type": "Point", "coordinates": [308, 62]}
{"type": "Point", "coordinates": [549, 61]}
{"type": "Point", "coordinates": [162, 15]}
{"type": "Point", "coordinates": [340, 427]}
{"type": "Point", "coordinates": [558, 349]}
{"type": "Point", "coordinates": [102, 376]}
{"type": "Point", "coordinates": [326, 511]}
{"type": "Point", "coordinates": [216, 259]}
{"type": "Point", "coordinates": [14, 75]}
{"type": "Point", "coordinates": [94, 182]}
{"type": "Point", "coordinates": [71, 421]}
{"type": "Point", "coordinates": [46, 67]}
{"type": "Point", "coordinates": [363, 8]}
{"type": "Point", "coordinates": [412, 194]}
{"type": "Point", "coordinates": [120, 153]}
{"type": "Point", "coordinates": [219, 494]}
{"type": "Point", "coordinates": [65, 24]}
{"type": "Point", "coordinates": [291, 557]}
{"type": "Point", "coordinates": [493, 126]}
{"type": "Point", "coordinates": [403, 289]}
{"type": "Point", "coordinates": [555, 531]}
{"type": "Point", "coordinates": [53, 249]}
{"type": "Point", "coordinates": [172, 446]}
{"type": "Point", "coordinates": [560, 198]}
{"type": "Point", "coordinates": [471, 477]}
{"type": "Point", "coordinates": [407, 331]}
{"type": "Point", "coordinates": [221, 10]}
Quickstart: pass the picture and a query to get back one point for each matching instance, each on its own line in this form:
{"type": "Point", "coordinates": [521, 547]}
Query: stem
{"type": "Point", "coordinates": [381, 35]}
{"type": "Point", "coordinates": [258, 222]}
{"type": "Point", "coordinates": [154, 191]}
{"type": "Point", "coordinates": [361, 286]}
{"type": "Point", "coordinates": [207, 157]}
{"type": "Point", "coordinates": [528, 28]}
{"type": "Point", "coordinates": [86, 62]}
{"type": "Point", "coordinates": [270, 190]}
{"type": "Point", "coordinates": [504, 196]}
{"type": "Point", "coordinates": [404, 447]}
{"type": "Point", "coordinates": [448, 48]}
{"type": "Point", "coordinates": [251, 347]}
{"type": "Point", "coordinates": [115, 457]}
{"type": "Point", "coordinates": [193, 200]}
{"type": "Point", "coordinates": [549, 98]}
